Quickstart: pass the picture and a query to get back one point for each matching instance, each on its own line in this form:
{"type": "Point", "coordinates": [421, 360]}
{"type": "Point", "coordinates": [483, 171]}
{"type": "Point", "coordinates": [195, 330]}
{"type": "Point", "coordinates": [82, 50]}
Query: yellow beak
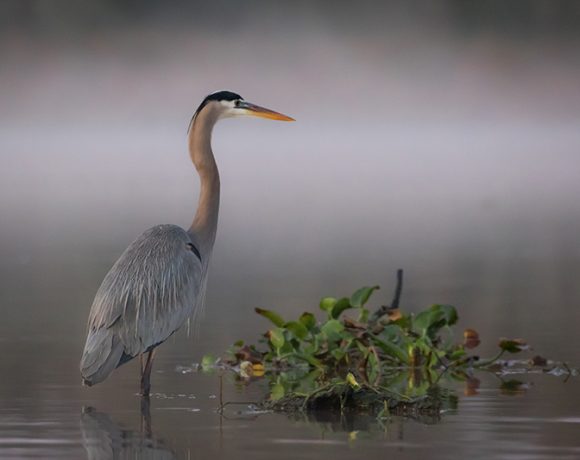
{"type": "Point", "coordinates": [257, 111]}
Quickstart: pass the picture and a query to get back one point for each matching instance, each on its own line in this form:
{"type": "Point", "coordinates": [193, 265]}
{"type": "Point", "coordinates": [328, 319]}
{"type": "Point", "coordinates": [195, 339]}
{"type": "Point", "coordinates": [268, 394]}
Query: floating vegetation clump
{"type": "Point", "coordinates": [382, 362]}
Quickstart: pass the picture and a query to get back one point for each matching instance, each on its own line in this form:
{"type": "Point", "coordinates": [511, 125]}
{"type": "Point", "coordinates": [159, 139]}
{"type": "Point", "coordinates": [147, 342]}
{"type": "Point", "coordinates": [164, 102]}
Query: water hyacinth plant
{"type": "Point", "coordinates": [353, 357]}
{"type": "Point", "coordinates": [352, 337]}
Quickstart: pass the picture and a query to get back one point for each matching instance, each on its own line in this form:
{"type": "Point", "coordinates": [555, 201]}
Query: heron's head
{"type": "Point", "coordinates": [225, 104]}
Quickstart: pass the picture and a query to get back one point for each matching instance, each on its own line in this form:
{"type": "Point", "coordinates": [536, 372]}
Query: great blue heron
{"type": "Point", "coordinates": [159, 281]}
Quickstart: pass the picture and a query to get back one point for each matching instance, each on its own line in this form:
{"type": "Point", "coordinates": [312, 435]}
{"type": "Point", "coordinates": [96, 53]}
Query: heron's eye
{"type": "Point", "coordinates": [237, 103]}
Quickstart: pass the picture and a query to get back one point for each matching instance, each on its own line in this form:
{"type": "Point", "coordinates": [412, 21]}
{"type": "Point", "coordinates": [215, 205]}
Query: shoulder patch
{"type": "Point", "coordinates": [193, 249]}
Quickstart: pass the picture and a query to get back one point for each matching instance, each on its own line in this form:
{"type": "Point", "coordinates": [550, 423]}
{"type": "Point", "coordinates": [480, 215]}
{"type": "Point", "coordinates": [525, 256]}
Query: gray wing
{"type": "Point", "coordinates": [146, 296]}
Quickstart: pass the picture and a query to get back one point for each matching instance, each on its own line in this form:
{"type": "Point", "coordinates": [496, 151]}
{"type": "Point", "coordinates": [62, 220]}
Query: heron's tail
{"type": "Point", "coordinates": [103, 351]}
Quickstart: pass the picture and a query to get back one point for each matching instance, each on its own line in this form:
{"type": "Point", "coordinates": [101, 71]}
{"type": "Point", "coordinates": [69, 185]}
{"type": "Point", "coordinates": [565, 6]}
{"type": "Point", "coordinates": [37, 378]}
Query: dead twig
{"type": "Point", "coordinates": [382, 311]}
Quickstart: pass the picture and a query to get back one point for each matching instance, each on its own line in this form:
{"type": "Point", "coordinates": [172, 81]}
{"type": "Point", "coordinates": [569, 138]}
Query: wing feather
{"type": "Point", "coordinates": [147, 295]}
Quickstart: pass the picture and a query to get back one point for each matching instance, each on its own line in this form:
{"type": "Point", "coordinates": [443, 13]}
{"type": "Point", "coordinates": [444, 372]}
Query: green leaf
{"type": "Point", "coordinates": [363, 316]}
{"type": "Point", "coordinates": [373, 368]}
{"type": "Point", "coordinates": [332, 329]}
{"type": "Point", "coordinates": [327, 303]}
{"type": "Point", "coordinates": [339, 307]}
{"type": "Point", "coordinates": [392, 349]}
{"type": "Point", "coordinates": [239, 343]}
{"type": "Point", "coordinates": [318, 340]}
{"type": "Point", "coordinates": [309, 383]}
{"type": "Point", "coordinates": [298, 329]}
{"type": "Point", "coordinates": [275, 318]}
{"type": "Point", "coordinates": [459, 353]}
{"type": "Point", "coordinates": [307, 320]}
{"type": "Point", "coordinates": [337, 354]}
{"type": "Point", "coordinates": [417, 389]}
{"type": "Point", "coordinates": [208, 362]}
{"type": "Point", "coordinates": [513, 345]}
{"type": "Point", "coordinates": [277, 392]}
{"type": "Point", "coordinates": [288, 346]}
{"type": "Point", "coordinates": [430, 321]}
{"type": "Point", "coordinates": [361, 296]}
{"type": "Point", "coordinates": [363, 348]}
{"type": "Point", "coordinates": [277, 338]}
{"type": "Point", "coordinates": [345, 335]}
{"type": "Point", "coordinates": [310, 360]}
{"type": "Point", "coordinates": [449, 314]}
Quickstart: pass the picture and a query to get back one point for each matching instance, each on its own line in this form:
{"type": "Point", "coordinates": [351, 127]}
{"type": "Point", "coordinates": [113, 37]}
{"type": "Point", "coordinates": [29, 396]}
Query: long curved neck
{"type": "Point", "coordinates": [204, 226]}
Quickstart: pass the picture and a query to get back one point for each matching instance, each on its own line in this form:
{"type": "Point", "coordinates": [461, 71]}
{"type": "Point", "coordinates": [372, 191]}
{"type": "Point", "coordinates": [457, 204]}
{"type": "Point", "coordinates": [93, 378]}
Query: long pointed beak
{"type": "Point", "coordinates": [257, 111]}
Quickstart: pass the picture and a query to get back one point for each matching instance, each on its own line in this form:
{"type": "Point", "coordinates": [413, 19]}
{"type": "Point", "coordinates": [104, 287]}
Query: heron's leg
{"type": "Point", "coordinates": [146, 374]}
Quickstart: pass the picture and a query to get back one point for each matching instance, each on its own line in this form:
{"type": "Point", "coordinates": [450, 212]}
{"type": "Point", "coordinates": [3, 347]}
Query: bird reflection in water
{"type": "Point", "coordinates": [104, 439]}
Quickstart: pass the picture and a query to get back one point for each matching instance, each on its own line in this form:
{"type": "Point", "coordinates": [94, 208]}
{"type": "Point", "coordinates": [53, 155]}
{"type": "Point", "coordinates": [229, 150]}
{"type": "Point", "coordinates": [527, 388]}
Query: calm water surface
{"type": "Point", "coordinates": [54, 418]}
{"type": "Point", "coordinates": [45, 413]}
{"type": "Point", "coordinates": [452, 156]}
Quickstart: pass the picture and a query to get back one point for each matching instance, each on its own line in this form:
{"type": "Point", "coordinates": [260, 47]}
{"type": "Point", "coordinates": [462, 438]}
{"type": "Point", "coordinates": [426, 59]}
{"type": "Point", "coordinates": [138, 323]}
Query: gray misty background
{"type": "Point", "coordinates": [440, 137]}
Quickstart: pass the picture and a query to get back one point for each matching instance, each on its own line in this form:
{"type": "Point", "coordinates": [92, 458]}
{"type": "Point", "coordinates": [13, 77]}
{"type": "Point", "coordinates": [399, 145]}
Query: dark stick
{"type": "Point", "coordinates": [398, 289]}
{"type": "Point", "coordinates": [382, 311]}
{"type": "Point", "coordinates": [221, 390]}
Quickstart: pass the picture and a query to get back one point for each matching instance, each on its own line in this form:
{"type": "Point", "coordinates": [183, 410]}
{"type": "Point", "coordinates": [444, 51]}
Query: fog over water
{"type": "Point", "coordinates": [428, 141]}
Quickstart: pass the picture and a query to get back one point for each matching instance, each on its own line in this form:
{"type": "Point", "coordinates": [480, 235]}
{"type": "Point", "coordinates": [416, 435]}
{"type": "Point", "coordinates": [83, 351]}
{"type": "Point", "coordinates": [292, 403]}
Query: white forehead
{"type": "Point", "coordinates": [227, 109]}
{"type": "Point", "coordinates": [228, 104]}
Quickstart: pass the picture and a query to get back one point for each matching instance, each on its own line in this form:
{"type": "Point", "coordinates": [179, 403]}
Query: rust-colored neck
{"type": "Point", "coordinates": [204, 226]}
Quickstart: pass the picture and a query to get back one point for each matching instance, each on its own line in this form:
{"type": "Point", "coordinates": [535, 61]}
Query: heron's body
{"type": "Point", "coordinates": [146, 296]}
{"type": "Point", "coordinates": [159, 281]}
